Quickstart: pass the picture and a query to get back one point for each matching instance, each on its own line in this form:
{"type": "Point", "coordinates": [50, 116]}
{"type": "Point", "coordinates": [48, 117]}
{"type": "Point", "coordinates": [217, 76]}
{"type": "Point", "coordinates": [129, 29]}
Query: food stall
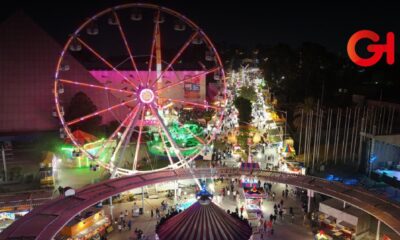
{"type": "Point", "coordinates": [90, 224]}
{"type": "Point", "coordinates": [321, 235]}
{"type": "Point", "coordinates": [48, 170]}
{"type": "Point", "coordinates": [293, 167]}
{"type": "Point", "coordinates": [15, 205]}
{"type": "Point", "coordinates": [288, 151]}
{"type": "Point", "coordinates": [342, 220]}
{"type": "Point", "coordinates": [8, 217]}
{"type": "Point", "coordinates": [253, 195]}
{"type": "Point", "coordinates": [238, 152]}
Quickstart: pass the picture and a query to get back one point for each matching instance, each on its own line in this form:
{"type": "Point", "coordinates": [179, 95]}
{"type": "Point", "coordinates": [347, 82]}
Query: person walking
{"type": "Point", "coordinates": [265, 225]}
{"type": "Point", "coordinates": [241, 210]}
{"type": "Point", "coordinates": [157, 213]}
{"type": "Point", "coordinates": [130, 224]}
{"type": "Point", "coordinates": [151, 213]}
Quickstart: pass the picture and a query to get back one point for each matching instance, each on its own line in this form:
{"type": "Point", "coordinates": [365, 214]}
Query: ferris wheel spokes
{"type": "Point", "coordinates": [192, 103]}
{"type": "Point", "coordinates": [128, 49]}
{"type": "Point", "coordinates": [186, 79]}
{"type": "Point", "coordinates": [175, 147]}
{"type": "Point", "coordinates": [156, 32]}
{"type": "Point", "coordinates": [139, 139]}
{"type": "Point", "coordinates": [167, 133]}
{"type": "Point", "coordinates": [183, 48]}
{"type": "Point", "coordinates": [116, 131]}
{"type": "Point", "coordinates": [80, 119]}
{"type": "Point", "coordinates": [94, 52]}
{"type": "Point", "coordinates": [124, 141]}
{"type": "Point", "coordinates": [95, 86]}
{"type": "Point", "coordinates": [165, 147]}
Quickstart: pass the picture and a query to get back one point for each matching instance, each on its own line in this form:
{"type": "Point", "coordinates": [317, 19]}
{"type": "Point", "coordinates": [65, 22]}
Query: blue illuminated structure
{"type": "Point", "coordinates": [347, 181]}
{"type": "Point", "coordinates": [203, 196]}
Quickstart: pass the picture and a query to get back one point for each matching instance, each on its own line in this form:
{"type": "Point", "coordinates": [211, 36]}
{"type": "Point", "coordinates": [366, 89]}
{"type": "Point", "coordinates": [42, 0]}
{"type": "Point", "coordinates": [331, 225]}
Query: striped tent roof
{"type": "Point", "coordinates": [204, 222]}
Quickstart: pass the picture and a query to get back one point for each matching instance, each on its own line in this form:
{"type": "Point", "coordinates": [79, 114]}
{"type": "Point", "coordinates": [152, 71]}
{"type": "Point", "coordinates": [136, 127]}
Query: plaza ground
{"type": "Point", "coordinates": [283, 229]}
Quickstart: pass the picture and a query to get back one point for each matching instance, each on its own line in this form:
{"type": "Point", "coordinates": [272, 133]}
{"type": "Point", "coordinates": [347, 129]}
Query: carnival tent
{"type": "Point", "coordinates": [204, 222]}
{"type": "Point", "coordinates": [81, 137]}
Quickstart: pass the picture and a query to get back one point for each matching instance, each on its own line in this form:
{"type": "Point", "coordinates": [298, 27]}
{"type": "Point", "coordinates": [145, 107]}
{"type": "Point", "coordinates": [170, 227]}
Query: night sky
{"type": "Point", "coordinates": [329, 23]}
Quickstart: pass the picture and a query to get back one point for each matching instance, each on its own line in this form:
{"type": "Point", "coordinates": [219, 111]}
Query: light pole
{"type": "Point", "coordinates": [4, 162]}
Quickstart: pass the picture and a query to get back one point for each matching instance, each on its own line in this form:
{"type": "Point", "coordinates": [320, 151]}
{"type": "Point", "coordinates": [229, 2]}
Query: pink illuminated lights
{"type": "Point", "coordinates": [146, 95]}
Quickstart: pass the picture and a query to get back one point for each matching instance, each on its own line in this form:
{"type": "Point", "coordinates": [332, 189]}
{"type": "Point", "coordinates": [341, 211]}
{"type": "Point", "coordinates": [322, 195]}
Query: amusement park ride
{"type": "Point", "coordinates": [160, 110]}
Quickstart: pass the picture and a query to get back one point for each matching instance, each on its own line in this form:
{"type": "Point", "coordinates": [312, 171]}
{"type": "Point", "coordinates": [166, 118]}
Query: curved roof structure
{"type": "Point", "coordinates": [203, 222]}
{"type": "Point", "coordinates": [45, 221]}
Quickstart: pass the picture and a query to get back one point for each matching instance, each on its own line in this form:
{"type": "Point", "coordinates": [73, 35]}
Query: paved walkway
{"type": "Point", "coordinates": [283, 229]}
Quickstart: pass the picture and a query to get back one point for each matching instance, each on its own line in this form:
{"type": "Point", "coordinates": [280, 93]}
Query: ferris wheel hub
{"type": "Point", "coordinates": [146, 95]}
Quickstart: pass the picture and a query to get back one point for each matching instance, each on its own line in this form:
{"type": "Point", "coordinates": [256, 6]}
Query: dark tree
{"type": "Point", "coordinates": [81, 105]}
{"type": "Point", "coordinates": [244, 107]}
{"type": "Point", "coordinates": [280, 64]}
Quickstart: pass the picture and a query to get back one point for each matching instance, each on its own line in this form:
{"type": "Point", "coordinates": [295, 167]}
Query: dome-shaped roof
{"type": "Point", "coordinates": [204, 222]}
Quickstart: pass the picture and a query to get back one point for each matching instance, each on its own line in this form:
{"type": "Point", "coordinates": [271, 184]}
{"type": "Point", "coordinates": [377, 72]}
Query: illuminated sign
{"type": "Point", "coordinates": [377, 49]}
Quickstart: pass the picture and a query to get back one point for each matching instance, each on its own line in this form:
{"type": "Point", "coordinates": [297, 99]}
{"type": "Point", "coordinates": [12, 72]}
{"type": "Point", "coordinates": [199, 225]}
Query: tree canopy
{"type": "Point", "coordinates": [81, 105]}
{"type": "Point", "coordinates": [244, 107]}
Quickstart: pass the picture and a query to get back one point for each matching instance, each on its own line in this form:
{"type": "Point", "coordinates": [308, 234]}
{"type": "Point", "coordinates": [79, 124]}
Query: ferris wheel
{"type": "Point", "coordinates": [156, 80]}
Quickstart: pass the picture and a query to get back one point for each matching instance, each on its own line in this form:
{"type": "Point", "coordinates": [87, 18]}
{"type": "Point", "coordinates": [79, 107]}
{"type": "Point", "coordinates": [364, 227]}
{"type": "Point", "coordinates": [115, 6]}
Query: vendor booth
{"type": "Point", "coordinates": [8, 217]}
{"type": "Point", "coordinates": [253, 194]}
{"type": "Point", "coordinates": [15, 205]}
{"type": "Point", "coordinates": [90, 224]}
{"type": "Point", "coordinates": [343, 221]}
{"type": "Point", "coordinates": [48, 170]}
{"type": "Point", "coordinates": [321, 235]}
